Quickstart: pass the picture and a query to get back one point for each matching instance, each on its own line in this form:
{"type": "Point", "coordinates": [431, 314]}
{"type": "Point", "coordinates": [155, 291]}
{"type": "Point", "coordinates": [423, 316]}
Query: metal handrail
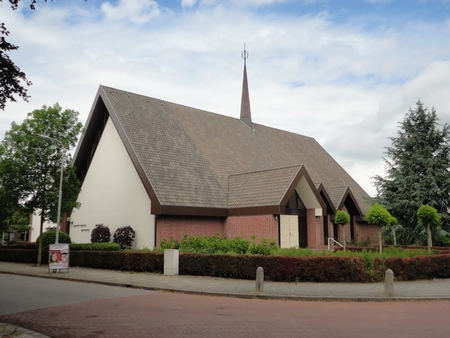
{"type": "Point", "coordinates": [332, 239]}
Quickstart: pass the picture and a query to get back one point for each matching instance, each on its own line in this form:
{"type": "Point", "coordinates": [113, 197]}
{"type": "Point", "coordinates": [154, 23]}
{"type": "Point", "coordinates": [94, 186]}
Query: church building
{"type": "Point", "coordinates": [169, 170]}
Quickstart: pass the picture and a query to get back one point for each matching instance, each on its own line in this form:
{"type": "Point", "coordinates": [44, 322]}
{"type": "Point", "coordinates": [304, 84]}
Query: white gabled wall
{"type": "Point", "coordinates": [113, 194]}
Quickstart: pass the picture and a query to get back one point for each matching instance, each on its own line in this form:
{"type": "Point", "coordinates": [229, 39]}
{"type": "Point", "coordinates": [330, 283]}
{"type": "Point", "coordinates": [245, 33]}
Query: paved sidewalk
{"type": "Point", "coordinates": [418, 290]}
{"type": "Point", "coordinates": [436, 289]}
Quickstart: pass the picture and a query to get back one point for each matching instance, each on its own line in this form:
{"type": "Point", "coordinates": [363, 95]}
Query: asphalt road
{"type": "Point", "coordinates": [20, 293]}
{"type": "Point", "coordinates": [112, 313]}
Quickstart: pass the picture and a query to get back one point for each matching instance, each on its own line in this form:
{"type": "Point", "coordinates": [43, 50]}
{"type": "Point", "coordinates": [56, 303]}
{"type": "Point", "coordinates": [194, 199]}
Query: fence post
{"type": "Point", "coordinates": [259, 280]}
{"type": "Point", "coordinates": [389, 283]}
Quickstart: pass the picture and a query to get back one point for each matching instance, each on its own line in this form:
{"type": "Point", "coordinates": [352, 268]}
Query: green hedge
{"type": "Point", "coordinates": [98, 246]}
{"type": "Point", "coordinates": [19, 255]}
{"type": "Point", "coordinates": [276, 268]}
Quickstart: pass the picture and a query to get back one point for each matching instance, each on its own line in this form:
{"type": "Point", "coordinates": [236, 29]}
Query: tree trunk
{"type": "Point", "coordinates": [430, 240]}
{"type": "Point", "coordinates": [380, 241]}
{"type": "Point", "coordinates": [343, 238]}
{"type": "Point", "coordinates": [395, 237]}
{"type": "Point", "coordinates": [41, 227]}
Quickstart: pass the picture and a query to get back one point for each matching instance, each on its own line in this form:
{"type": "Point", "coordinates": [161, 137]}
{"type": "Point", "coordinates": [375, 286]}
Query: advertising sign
{"type": "Point", "coordinates": [58, 258]}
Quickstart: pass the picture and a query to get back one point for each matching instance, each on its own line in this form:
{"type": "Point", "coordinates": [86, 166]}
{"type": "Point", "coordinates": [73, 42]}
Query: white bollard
{"type": "Point", "coordinates": [389, 283]}
{"type": "Point", "coordinates": [259, 280]}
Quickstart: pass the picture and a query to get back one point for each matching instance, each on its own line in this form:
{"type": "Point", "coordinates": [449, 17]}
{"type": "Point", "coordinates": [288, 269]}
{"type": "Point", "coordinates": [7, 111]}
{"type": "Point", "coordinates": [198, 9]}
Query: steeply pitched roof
{"type": "Point", "coordinates": [261, 188]}
{"type": "Point", "coordinates": [343, 196]}
{"type": "Point", "coordinates": [189, 159]}
{"type": "Point", "coordinates": [337, 195]}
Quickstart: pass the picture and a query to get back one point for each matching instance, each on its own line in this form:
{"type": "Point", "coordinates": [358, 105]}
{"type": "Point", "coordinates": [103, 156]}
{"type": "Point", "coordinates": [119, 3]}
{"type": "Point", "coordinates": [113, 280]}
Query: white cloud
{"type": "Point", "coordinates": [345, 86]}
{"type": "Point", "coordinates": [137, 11]}
{"type": "Point", "coordinates": [188, 3]}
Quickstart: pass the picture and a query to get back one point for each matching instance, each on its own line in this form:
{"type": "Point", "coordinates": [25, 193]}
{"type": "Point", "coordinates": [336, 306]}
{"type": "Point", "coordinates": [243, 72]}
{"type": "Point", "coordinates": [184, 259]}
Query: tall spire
{"type": "Point", "coordinates": [246, 115]}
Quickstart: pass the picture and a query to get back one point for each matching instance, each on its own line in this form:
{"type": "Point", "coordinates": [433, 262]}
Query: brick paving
{"type": "Point", "coordinates": [165, 314]}
{"type": "Point", "coordinates": [189, 310]}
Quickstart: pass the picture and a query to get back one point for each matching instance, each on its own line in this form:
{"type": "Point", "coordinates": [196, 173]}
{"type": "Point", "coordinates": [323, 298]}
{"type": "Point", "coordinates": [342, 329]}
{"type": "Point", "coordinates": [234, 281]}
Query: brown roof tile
{"type": "Point", "coordinates": [194, 158]}
{"type": "Point", "coordinates": [261, 188]}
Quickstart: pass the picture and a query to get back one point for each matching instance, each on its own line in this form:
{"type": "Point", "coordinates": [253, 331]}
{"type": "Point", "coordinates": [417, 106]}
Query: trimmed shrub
{"type": "Point", "coordinates": [124, 236]}
{"type": "Point", "coordinates": [100, 234]}
{"type": "Point", "coordinates": [49, 237]}
{"type": "Point", "coordinates": [95, 247]}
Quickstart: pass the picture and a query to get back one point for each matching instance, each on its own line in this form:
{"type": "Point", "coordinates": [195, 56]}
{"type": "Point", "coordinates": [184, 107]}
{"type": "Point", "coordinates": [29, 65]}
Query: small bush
{"type": "Point", "coordinates": [124, 236]}
{"type": "Point", "coordinates": [171, 244]}
{"type": "Point", "coordinates": [239, 245]}
{"type": "Point", "coordinates": [265, 247]}
{"type": "Point", "coordinates": [100, 234]}
{"type": "Point", "coordinates": [95, 247]}
{"type": "Point", "coordinates": [216, 245]}
{"type": "Point", "coordinates": [49, 237]}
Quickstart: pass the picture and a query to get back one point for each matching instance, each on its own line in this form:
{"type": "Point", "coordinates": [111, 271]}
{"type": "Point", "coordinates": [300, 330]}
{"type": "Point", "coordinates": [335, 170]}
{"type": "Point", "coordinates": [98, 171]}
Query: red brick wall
{"type": "Point", "coordinates": [365, 232]}
{"type": "Point", "coordinates": [330, 229]}
{"type": "Point", "coordinates": [315, 229]}
{"type": "Point", "coordinates": [262, 226]}
{"type": "Point", "coordinates": [340, 232]}
{"type": "Point", "coordinates": [168, 227]}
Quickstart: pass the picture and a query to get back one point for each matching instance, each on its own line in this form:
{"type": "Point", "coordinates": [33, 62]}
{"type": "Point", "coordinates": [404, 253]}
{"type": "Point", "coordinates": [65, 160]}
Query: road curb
{"type": "Point", "coordinates": [254, 295]}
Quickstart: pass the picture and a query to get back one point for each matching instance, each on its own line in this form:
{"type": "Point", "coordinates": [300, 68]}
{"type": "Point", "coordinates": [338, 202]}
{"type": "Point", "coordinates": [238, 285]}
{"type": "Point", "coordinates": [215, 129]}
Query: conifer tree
{"type": "Point", "coordinates": [417, 170]}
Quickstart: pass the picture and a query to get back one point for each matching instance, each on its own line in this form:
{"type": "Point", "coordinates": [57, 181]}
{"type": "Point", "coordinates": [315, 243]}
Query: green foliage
{"type": "Point", "coordinates": [99, 246]}
{"type": "Point", "coordinates": [308, 266]}
{"type": "Point", "coordinates": [30, 165]}
{"type": "Point", "coordinates": [100, 234]}
{"type": "Point", "coordinates": [342, 217]}
{"type": "Point", "coordinates": [21, 228]}
{"type": "Point", "coordinates": [300, 252]}
{"type": "Point", "coordinates": [217, 245]}
{"type": "Point", "coordinates": [265, 247]}
{"type": "Point", "coordinates": [124, 236]}
{"type": "Point", "coordinates": [369, 254]}
{"type": "Point", "coordinates": [393, 221]}
{"type": "Point", "coordinates": [378, 215]}
{"type": "Point", "coordinates": [49, 237]}
{"type": "Point", "coordinates": [427, 215]}
{"type": "Point", "coordinates": [12, 78]}
{"type": "Point", "coordinates": [169, 244]}
{"type": "Point", "coordinates": [20, 220]}
{"type": "Point", "coordinates": [417, 171]}
{"type": "Point", "coordinates": [239, 246]}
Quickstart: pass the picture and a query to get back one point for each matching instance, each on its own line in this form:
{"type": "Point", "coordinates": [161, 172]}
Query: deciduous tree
{"type": "Point", "coordinates": [30, 165]}
{"type": "Point", "coordinates": [379, 216]}
{"type": "Point", "coordinates": [342, 218]}
{"type": "Point", "coordinates": [12, 79]}
{"type": "Point", "coordinates": [428, 217]}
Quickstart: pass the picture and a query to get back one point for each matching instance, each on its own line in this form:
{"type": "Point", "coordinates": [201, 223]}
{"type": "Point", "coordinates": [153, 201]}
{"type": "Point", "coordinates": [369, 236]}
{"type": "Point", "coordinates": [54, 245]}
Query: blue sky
{"type": "Point", "coordinates": [342, 71]}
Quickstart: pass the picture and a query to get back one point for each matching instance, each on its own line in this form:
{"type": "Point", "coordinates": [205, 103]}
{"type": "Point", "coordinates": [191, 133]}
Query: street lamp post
{"type": "Point", "coordinates": [60, 184]}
